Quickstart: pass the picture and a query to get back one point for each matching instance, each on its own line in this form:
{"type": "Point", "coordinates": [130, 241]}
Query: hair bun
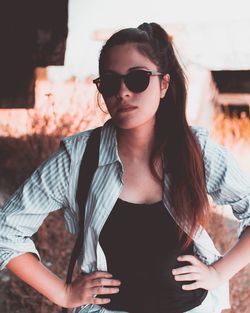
{"type": "Point", "coordinates": [156, 32]}
{"type": "Point", "coordinates": [147, 27]}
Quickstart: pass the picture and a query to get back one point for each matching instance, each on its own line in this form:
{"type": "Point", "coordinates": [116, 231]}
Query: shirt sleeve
{"type": "Point", "coordinates": [23, 213]}
{"type": "Point", "coordinates": [226, 183]}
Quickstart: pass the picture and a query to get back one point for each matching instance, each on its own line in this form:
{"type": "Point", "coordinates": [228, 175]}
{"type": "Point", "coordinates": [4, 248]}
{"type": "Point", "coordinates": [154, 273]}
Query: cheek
{"type": "Point", "coordinates": [154, 88]}
{"type": "Point", "coordinates": [109, 102]}
{"type": "Point", "coordinates": [152, 100]}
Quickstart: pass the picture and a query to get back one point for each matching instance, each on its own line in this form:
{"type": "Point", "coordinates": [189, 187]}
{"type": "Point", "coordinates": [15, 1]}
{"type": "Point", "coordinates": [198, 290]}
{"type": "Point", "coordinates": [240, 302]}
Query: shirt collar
{"type": "Point", "coordinates": [108, 152]}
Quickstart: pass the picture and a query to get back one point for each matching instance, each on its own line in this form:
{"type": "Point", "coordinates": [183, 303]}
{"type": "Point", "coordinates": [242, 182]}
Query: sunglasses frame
{"type": "Point", "coordinates": [148, 72]}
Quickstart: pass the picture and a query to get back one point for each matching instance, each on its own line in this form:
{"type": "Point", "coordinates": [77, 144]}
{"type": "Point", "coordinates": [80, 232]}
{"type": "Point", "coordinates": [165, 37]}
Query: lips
{"type": "Point", "coordinates": [126, 108]}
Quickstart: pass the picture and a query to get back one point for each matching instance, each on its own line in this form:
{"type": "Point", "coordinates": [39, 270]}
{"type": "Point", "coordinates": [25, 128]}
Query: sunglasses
{"type": "Point", "coordinates": [137, 81]}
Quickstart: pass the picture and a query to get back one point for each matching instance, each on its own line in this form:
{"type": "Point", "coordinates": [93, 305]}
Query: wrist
{"type": "Point", "coordinates": [28, 268]}
{"type": "Point", "coordinates": [60, 296]}
{"type": "Point", "coordinates": [223, 276]}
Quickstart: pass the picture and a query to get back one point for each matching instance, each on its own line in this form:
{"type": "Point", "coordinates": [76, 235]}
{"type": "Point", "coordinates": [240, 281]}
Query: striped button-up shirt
{"type": "Point", "coordinates": [53, 186]}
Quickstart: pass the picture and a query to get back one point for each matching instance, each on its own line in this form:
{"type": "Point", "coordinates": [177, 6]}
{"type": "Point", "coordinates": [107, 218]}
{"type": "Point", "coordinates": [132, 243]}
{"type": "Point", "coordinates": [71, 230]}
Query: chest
{"type": "Point", "coordinates": [140, 185]}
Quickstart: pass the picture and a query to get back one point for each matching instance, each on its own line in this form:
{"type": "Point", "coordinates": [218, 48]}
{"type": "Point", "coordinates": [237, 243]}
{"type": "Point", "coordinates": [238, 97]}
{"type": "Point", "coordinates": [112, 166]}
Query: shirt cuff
{"type": "Point", "coordinates": [6, 255]}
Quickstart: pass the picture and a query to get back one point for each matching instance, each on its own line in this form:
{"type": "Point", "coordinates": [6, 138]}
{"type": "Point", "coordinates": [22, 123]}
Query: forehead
{"type": "Point", "coordinates": [121, 58]}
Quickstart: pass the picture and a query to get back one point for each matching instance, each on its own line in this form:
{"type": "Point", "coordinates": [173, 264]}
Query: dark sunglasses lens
{"type": "Point", "coordinates": [137, 81]}
{"type": "Point", "coordinates": [109, 85]}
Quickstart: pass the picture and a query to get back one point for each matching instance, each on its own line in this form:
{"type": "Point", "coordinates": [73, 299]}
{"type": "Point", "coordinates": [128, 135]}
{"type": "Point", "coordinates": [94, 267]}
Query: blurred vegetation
{"type": "Point", "coordinates": [229, 130]}
{"type": "Point", "coordinates": [20, 156]}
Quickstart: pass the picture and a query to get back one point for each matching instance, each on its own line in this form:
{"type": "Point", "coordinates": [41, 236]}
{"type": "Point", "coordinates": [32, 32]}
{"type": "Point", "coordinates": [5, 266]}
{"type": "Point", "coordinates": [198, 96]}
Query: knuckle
{"type": "Point", "coordinates": [93, 290]}
{"type": "Point", "coordinates": [96, 300]}
{"type": "Point", "coordinates": [101, 281]}
{"type": "Point", "coordinates": [94, 274]}
{"type": "Point", "coordinates": [196, 285]}
{"type": "Point", "coordinates": [98, 281]}
{"type": "Point", "coordinates": [191, 276]}
{"type": "Point", "coordinates": [100, 300]}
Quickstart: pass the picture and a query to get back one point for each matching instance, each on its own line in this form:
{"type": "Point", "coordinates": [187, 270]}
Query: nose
{"type": "Point", "coordinates": [123, 92]}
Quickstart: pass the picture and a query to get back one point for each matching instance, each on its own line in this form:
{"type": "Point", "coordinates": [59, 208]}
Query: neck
{"type": "Point", "coordinates": [136, 143]}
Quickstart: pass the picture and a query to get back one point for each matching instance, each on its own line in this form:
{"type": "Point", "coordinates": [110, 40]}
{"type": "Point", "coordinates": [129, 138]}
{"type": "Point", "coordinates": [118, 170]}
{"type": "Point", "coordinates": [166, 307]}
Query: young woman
{"type": "Point", "coordinates": [145, 247]}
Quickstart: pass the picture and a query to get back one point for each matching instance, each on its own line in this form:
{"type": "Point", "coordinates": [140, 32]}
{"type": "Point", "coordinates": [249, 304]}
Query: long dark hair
{"type": "Point", "coordinates": [174, 138]}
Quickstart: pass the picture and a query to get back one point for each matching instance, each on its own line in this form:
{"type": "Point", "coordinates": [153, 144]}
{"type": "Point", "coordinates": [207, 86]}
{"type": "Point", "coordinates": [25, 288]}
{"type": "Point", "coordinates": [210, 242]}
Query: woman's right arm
{"type": "Point", "coordinates": [20, 217]}
{"type": "Point", "coordinates": [23, 213]}
{"type": "Point", "coordinates": [82, 290]}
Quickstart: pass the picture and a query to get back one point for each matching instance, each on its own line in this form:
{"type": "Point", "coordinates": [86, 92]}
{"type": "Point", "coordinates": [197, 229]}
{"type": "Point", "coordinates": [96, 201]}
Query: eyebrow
{"type": "Point", "coordinates": [136, 68]}
{"type": "Point", "coordinates": [129, 70]}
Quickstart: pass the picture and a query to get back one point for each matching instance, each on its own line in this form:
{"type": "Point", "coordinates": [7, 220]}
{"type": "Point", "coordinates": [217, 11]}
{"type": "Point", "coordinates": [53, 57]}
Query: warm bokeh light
{"type": "Point", "coordinates": [75, 99]}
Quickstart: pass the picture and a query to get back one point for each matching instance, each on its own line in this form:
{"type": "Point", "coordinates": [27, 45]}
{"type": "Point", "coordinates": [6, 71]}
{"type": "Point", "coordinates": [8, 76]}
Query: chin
{"type": "Point", "coordinates": [128, 124]}
{"type": "Point", "coordinates": [124, 123]}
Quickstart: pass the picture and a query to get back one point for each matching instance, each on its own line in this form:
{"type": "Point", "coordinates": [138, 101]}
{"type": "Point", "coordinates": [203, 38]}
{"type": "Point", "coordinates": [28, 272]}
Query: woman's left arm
{"type": "Point", "coordinates": [227, 185]}
{"type": "Point", "coordinates": [211, 276]}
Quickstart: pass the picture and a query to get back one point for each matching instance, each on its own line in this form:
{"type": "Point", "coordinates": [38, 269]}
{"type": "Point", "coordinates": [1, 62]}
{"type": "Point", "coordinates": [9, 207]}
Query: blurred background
{"type": "Point", "coordinates": [48, 59]}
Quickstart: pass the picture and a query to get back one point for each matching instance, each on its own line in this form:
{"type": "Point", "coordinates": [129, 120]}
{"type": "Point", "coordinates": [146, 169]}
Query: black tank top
{"type": "Point", "coordinates": [141, 245]}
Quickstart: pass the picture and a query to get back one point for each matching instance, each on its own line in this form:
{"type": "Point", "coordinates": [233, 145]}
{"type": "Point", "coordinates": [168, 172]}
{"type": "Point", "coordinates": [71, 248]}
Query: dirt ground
{"type": "Point", "coordinates": [16, 297]}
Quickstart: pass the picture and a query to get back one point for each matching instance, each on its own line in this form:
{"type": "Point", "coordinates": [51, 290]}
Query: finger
{"type": "Point", "coordinates": [98, 274]}
{"type": "Point", "coordinates": [187, 277]}
{"type": "Point", "coordinates": [186, 269]}
{"type": "Point", "coordinates": [189, 258]}
{"type": "Point", "coordinates": [105, 282]}
{"type": "Point", "coordinates": [193, 286]}
{"type": "Point", "coordinates": [99, 301]}
{"type": "Point", "coordinates": [104, 290]}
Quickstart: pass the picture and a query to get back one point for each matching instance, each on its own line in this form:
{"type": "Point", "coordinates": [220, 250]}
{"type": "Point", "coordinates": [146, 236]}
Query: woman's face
{"type": "Point", "coordinates": [129, 109]}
